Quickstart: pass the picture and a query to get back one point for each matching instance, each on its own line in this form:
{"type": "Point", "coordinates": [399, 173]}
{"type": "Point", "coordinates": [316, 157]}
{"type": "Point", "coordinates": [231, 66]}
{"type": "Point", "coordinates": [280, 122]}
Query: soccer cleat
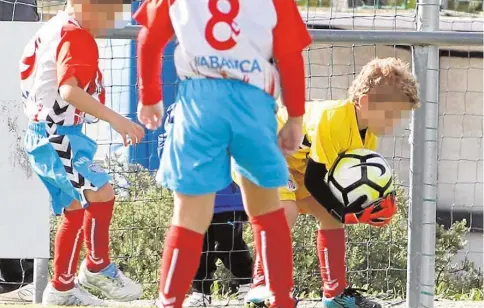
{"type": "Point", "coordinates": [259, 296]}
{"type": "Point", "coordinates": [242, 291]}
{"type": "Point", "coordinates": [22, 295]}
{"type": "Point", "coordinates": [76, 296]}
{"type": "Point", "coordinates": [350, 298]}
{"type": "Point", "coordinates": [111, 282]}
{"type": "Point", "coordinates": [197, 299]}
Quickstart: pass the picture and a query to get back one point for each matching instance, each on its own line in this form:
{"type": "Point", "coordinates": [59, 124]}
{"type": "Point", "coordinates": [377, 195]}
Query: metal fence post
{"type": "Point", "coordinates": [423, 166]}
{"type": "Point", "coordinates": [419, 65]}
{"type": "Point", "coordinates": [41, 276]}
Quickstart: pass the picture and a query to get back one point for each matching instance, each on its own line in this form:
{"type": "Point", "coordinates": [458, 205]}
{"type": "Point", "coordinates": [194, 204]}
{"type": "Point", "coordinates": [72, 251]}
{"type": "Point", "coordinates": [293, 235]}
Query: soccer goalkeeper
{"type": "Point", "coordinates": [382, 94]}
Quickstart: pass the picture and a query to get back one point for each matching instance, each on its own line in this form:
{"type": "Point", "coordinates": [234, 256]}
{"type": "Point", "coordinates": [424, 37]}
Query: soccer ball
{"type": "Point", "coordinates": [360, 172]}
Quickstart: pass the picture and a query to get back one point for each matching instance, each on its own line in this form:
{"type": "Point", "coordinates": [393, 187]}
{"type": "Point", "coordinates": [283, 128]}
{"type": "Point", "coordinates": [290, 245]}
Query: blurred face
{"type": "Point", "coordinates": [99, 16]}
{"type": "Point", "coordinates": [382, 112]}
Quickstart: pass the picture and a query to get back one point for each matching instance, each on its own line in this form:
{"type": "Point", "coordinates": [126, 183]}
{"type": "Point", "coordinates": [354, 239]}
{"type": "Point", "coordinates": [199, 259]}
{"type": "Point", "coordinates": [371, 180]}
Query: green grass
{"type": "Point", "coordinates": [313, 3]}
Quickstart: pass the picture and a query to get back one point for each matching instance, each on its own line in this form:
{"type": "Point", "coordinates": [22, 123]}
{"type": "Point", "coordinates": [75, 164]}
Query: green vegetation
{"type": "Point", "coordinates": [467, 6]}
{"type": "Point", "coordinates": [376, 257]}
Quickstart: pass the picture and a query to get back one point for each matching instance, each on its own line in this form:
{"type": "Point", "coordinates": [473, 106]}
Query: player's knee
{"type": "Point", "coordinates": [74, 206]}
{"type": "Point", "coordinates": [327, 221]}
{"type": "Point", "coordinates": [193, 212]}
{"type": "Point", "coordinates": [103, 194]}
{"type": "Point", "coordinates": [258, 200]}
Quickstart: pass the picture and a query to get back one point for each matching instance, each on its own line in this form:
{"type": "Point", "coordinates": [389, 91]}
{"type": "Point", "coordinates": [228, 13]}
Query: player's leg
{"type": "Point", "coordinates": [272, 240]}
{"type": "Point", "coordinates": [97, 271]}
{"type": "Point", "coordinates": [258, 292]}
{"type": "Point", "coordinates": [331, 249]}
{"type": "Point", "coordinates": [42, 150]}
{"type": "Point", "coordinates": [68, 241]}
{"type": "Point", "coordinates": [90, 189]}
{"type": "Point", "coordinates": [262, 170]}
{"type": "Point", "coordinates": [203, 280]}
{"type": "Point", "coordinates": [195, 164]}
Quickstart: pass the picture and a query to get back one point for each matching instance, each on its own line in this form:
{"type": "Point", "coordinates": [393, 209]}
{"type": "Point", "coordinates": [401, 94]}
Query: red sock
{"type": "Point", "coordinates": [272, 239]}
{"type": "Point", "coordinates": [331, 247]}
{"type": "Point", "coordinates": [96, 231]}
{"type": "Point", "coordinates": [258, 278]}
{"type": "Point", "coordinates": [68, 243]}
{"type": "Point", "coordinates": [179, 264]}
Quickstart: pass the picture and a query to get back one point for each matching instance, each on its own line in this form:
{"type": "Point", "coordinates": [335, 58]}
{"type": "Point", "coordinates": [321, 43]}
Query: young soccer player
{"type": "Point", "coordinates": [62, 89]}
{"type": "Point", "coordinates": [382, 94]}
{"type": "Point", "coordinates": [225, 109]}
{"type": "Point", "coordinates": [223, 240]}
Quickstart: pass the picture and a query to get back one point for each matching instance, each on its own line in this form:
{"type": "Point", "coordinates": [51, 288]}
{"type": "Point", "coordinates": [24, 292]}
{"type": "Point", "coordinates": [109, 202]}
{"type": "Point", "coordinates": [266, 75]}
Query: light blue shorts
{"type": "Point", "coordinates": [63, 159]}
{"type": "Point", "coordinates": [216, 119]}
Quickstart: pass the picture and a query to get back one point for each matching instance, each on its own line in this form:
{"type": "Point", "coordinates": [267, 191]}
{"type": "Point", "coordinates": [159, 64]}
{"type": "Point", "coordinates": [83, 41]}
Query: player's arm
{"type": "Point", "coordinates": [77, 97]}
{"type": "Point", "coordinates": [156, 31]}
{"type": "Point", "coordinates": [77, 65]}
{"type": "Point", "coordinates": [325, 149]}
{"type": "Point", "coordinates": [290, 38]}
{"type": "Point", "coordinates": [319, 189]}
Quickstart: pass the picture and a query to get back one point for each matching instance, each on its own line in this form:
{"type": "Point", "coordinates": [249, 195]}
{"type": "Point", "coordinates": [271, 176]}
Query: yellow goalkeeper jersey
{"type": "Point", "coordinates": [330, 128]}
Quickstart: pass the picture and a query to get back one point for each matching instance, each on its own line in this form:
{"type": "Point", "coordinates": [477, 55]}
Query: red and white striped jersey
{"type": "Point", "coordinates": [235, 39]}
{"type": "Point", "coordinates": [59, 50]}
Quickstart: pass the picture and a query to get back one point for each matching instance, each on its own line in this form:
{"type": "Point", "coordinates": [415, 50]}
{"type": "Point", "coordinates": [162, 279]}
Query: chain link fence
{"type": "Point", "coordinates": [437, 154]}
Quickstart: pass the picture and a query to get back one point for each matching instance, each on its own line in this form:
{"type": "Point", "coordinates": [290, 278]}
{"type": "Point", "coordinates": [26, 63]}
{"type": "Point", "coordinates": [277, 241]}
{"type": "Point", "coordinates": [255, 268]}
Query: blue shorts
{"type": "Point", "coordinates": [63, 160]}
{"type": "Point", "coordinates": [217, 119]}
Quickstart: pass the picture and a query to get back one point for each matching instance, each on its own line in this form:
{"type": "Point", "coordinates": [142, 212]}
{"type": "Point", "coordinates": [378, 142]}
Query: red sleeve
{"type": "Point", "coordinates": [77, 56]}
{"type": "Point", "coordinates": [290, 34]}
{"type": "Point", "coordinates": [157, 30]}
{"type": "Point", "coordinates": [290, 38]}
{"type": "Point", "coordinates": [293, 84]}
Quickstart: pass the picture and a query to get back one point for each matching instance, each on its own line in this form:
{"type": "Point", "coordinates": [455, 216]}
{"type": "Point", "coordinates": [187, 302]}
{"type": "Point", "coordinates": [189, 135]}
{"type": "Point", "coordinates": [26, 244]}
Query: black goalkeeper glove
{"type": "Point", "coordinates": [353, 213]}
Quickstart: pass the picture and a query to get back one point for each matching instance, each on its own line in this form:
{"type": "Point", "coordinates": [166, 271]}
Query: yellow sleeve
{"type": "Point", "coordinates": [329, 137]}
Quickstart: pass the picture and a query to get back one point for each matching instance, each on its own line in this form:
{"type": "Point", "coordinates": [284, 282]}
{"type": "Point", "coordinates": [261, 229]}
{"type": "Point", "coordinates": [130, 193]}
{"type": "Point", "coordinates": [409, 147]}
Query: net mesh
{"type": "Point", "coordinates": [460, 186]}
{"type": "Point", "coordinates": [376, 258]}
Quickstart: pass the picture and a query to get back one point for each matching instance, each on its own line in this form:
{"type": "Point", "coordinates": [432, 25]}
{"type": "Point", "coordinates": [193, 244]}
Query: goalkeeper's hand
{"type": "Point", "coordinates": [377, 214]}
{"type": "Point", "coordinates": [384, 210]}
{"type": "Point", "coordinates": [347, 214]}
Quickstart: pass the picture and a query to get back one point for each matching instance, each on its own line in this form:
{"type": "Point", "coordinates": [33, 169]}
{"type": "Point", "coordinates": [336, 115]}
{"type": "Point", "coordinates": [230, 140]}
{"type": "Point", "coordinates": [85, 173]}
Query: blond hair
{"type": "Point", "coordinates": [385, 72]}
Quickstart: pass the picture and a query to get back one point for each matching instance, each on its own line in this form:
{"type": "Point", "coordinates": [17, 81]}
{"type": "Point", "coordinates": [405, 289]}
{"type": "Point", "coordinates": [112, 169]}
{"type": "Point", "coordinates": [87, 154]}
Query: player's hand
{"type": "Point", "coordinates": [384, 210]}
{"type": "Point", "coordinates": [355, 211]}
{"type": "Point", "coordinates": [150, 115]}
{"type": "Point", "coordinates": [291, 136]}
{"type": "Point", "coordinates": [131, 132]}
{"type": "Point", "coordinates": [377, 214]}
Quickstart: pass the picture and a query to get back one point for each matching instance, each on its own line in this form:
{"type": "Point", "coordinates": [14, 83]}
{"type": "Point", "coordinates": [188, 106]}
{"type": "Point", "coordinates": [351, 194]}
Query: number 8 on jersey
{"type": "Point", "coordinates": [220, 17]}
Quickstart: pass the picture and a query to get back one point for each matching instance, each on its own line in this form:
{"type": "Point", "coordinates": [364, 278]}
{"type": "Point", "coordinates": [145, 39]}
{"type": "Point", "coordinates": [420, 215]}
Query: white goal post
{"type": "Point", "coordinates": [24, 209]}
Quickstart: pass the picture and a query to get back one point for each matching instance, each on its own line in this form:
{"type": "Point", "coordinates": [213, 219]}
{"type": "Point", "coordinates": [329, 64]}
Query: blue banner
{"type": "Point", "coordinates": [146, 153]}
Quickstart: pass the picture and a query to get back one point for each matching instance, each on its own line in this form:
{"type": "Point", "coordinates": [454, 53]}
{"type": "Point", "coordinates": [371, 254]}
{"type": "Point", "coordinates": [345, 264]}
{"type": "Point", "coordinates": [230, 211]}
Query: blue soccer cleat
{"type": "Point", "coordinates": [350, 298]}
